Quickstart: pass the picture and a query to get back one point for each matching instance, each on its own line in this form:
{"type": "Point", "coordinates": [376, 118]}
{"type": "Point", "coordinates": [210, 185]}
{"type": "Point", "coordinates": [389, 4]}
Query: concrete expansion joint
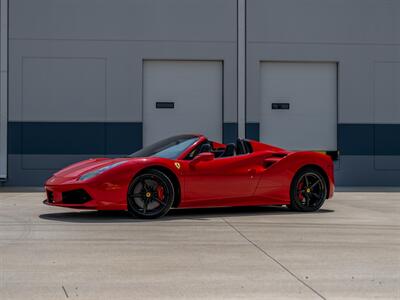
{"type": "Point", "coordinates": [265, 253]}
{"type": "Point", "coordinates": [65, 292]}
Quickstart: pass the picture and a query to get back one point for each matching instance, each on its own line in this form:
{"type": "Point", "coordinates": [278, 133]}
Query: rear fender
{"type": "Point", "coordinates": [278, 174]}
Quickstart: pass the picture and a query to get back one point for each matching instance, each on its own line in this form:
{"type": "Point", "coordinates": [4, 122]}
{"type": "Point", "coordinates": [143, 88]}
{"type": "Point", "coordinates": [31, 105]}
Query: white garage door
{"type": "Point", "coordinates": [299, 105]}
{"type": "Point", "coordinates": [181, 97]}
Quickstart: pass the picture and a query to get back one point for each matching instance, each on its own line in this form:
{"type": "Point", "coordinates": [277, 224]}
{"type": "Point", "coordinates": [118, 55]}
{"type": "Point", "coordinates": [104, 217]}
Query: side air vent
{"type": "Point", "coordinates": [75, 197]}
{"type": "Point", "coordinates": [50, 196]}
{"type": "Point", "coordinates": [272, 159]}
{"type": "Point", "coordinates": [279, 155]}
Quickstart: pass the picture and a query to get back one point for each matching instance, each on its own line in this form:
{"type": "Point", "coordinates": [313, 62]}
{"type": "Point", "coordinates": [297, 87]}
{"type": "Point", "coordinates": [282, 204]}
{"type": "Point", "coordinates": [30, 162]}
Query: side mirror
{"type": "Point", "coordinates": [205, 156]}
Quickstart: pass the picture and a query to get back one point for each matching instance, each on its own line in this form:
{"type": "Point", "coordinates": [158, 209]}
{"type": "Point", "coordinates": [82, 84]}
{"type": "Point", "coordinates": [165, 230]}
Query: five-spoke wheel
{"type": "Point", "coordinates": [150, 195]}
{"type": "Point", "coordinates": [308, 190]}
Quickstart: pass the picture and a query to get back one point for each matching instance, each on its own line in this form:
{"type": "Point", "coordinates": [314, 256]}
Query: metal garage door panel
{"type": "Point", "coordinates": [310, 90]}
{"type": "Point", "coordinates": [194, 88]}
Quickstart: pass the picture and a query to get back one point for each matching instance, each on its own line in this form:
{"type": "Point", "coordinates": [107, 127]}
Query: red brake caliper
{"type": "Point", "coordinates": [160, 192]}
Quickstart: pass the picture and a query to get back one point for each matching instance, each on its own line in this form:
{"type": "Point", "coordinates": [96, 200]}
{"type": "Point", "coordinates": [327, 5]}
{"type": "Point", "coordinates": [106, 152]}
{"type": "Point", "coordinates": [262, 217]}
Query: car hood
{"type": "Point", "coordinates": [82, 167]}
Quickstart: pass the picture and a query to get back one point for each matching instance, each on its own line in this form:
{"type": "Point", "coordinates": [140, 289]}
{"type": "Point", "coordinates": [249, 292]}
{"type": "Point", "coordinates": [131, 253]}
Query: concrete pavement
{"type": "Point", "coordinates": [348, 250]}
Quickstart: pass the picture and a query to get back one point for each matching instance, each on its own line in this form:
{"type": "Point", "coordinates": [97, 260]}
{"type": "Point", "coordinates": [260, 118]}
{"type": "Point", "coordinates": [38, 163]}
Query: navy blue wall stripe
{"type": "Point", "coordinates": [123, 138]}
{"type": "Point", "coordinates": [253, 131]}
{"type": "Point", "coordinates": [387, 139]}
{"type": "Point", "coordinates": [73, 138]}
{"type": "Point", "coordinates": [230, 133]}
{"type": "Point", "coordinates": [356, 139]}
{"type": "Point", "coordinates": [369, 139]}
{"type": "Point", "coordinates": [14, 140]}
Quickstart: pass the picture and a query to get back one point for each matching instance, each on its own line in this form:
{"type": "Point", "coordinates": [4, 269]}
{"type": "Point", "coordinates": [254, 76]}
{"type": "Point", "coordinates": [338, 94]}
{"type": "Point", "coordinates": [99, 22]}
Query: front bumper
{"type": "Point", "coordinates": [72, 196]}
{"type": "Point", "coordinates": [100, 195]}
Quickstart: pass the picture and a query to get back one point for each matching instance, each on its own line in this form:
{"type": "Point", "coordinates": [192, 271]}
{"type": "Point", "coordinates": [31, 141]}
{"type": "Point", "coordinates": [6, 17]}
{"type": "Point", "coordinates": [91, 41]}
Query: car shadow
{"type": "Point", "coordinates": [199, 214]}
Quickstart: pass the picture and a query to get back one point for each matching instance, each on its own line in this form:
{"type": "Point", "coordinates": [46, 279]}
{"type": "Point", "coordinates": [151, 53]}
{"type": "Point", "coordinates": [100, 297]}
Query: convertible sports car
{"type": "Point", "coordinates": [191, 171]}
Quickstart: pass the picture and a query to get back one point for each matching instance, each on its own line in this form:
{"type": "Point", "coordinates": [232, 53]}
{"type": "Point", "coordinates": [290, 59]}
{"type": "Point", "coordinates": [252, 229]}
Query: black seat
{"type": "Point", "coordinates": [229, 150]}
{"type": "Point", "coordinates": [240, 147]}
{"type": "Point", "coordinates": [247, 145]}
{"type": "Point", "coordinates": [205, 148]}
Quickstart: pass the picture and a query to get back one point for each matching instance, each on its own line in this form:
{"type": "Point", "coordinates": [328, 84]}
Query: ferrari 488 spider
{"type": "Point", "coordinates": [191, 171]}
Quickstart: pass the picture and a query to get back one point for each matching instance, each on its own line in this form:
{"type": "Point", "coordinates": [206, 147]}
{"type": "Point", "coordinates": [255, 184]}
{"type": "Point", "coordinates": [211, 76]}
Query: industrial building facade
{"type": "Point", "coordinates": [88, 78]}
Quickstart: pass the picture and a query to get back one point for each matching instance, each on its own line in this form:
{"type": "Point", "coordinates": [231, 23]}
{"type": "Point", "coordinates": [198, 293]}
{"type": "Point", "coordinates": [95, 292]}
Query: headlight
{"type": "Point", "coordinates": [99, 171]}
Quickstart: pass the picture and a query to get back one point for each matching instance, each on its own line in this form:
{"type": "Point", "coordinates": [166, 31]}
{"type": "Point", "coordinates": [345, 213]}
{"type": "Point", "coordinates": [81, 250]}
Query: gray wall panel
{"type": "Point", "coordinates": [123, 83]}
{"type": "Point", "coordinates": [387, 92]}
{"type": "Point", "coordinates": [356, 73]}
{"type": "Point", "coordinates": [50, 163]}
{"type": "Point", "coordinates": [354, 33]}
{"type": "Point", "coordinates": [388, 162]}
{"type": "Point", "coordinates": [363, 171]}
{"type": "Point", "coordinates": [22, 177]}
{"type": "Point", "coordinates": [34, 170]}
{"type": "Point", "coordinates": [70, 89]}
{"type": "Point", "coordinates": [328, 21]}
{"type": "Point", "coordinates": [184, 20]}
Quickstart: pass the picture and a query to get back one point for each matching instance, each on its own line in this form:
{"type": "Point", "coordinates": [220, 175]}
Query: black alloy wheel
{"type": "Point", "coordinates": [150, 195]}
{"type": "Point", "coordinates": [308, 190]}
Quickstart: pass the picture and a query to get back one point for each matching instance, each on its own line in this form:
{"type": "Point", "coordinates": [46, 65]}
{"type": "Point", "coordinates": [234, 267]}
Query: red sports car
{"type": "Point", "coordinates": [191, 171]}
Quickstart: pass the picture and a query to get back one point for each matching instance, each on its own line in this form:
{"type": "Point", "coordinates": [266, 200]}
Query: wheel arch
{"type": "Point", "coordinates": [171, 175]}
{"type": "Point", "coordinates": [319, 169]}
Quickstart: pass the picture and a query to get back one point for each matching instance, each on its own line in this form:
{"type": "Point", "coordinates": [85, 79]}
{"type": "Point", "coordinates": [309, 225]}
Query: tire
{"type": "Point", "coordinates": [308, 190]}
{"type": "Point", "coordinates": [150, 195]}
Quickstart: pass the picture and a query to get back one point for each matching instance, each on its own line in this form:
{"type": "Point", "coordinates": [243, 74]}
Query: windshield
{"type": "Point", "coordinates": [171, 147]}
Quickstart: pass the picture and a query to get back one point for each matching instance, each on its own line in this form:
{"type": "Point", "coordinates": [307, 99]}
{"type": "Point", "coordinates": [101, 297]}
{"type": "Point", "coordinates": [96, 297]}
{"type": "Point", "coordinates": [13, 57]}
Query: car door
{"type": "Point", "coordinates": [221, 181]}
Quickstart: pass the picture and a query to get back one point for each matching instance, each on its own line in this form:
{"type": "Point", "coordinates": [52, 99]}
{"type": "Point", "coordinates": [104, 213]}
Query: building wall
{"type": "Point", "coordinates": [363, 37]}
{"type": "Point", "coordinates": [75, 73]}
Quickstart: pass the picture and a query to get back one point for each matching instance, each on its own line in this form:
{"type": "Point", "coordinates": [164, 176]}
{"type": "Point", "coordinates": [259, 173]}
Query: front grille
{"type": "Point", "coordinates": [75, 197]}
{"type": "Point", "coordinates": [50, 196]}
